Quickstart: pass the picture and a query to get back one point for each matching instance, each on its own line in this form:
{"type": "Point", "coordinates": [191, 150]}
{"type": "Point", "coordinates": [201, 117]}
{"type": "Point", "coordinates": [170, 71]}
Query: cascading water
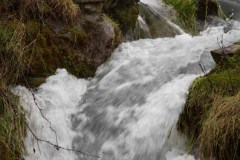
{"type": "Point", "coordinates": [155, 21]}
{"type": "Point", "coordinates": [130, 109]}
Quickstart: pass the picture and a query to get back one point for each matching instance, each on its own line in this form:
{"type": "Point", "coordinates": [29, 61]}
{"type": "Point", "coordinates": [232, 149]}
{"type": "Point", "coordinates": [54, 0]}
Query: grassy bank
{"type": "Point", "coordinates": [12, 129]}
{"type": "Point", "coordinates": [211, 117]}
{"type": "Point", "coordinates": [36, 38]}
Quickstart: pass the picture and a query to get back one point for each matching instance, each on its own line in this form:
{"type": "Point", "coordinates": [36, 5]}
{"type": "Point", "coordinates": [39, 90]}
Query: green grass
{"type": "Point", "coordinates": [211, 114]}
{"type": "Point", "coordinates": [186, 13]}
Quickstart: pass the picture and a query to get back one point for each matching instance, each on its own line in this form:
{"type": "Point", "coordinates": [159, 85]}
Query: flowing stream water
{"type": "Point", "coordinates": [129, 110]}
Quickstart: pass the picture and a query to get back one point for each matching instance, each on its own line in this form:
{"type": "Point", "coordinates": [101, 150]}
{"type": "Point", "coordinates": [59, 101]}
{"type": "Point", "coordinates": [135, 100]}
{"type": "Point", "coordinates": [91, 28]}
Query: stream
{"type": "Point", "coordinates": [129, 110]}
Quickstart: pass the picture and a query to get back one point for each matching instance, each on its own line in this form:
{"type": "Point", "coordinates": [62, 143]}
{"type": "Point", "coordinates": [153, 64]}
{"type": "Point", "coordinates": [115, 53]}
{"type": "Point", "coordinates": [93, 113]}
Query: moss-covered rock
{"type": "Point", "coordinates": [202, 108]}
{"type": "Point", "coordinates": [36, 38]}
{"type": "Point", "coordinates": [124, 12]}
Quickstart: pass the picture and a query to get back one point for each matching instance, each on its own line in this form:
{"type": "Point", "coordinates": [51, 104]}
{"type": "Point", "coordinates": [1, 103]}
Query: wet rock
{"type": "Point", "coordinates": [156, 23]}
{"type": "Point", "coordinates": [220, 54]}
{"type": "Point", "coordinates": [101, 36]}
{"type": "Point", "coordinates": [206, 8]}
{"type": "Point", "coordinates": [124, 12]}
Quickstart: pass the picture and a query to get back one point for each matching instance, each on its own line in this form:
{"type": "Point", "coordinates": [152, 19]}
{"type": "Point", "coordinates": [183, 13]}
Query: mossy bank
{"type": "Point", "coordinates": [37, 37]}
{"type": "Point", "coordinates": [211, 117]}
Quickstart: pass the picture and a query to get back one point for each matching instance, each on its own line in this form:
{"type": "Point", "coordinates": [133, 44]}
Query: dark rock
{"type": "Point", "coordinates": [101, 36]}
{"type": "Point", "coordinates": [206, 8]}
{"type": "Point", "coordinates": [124, 12]}
{"type": "Point", "coordinates": [220, 54]}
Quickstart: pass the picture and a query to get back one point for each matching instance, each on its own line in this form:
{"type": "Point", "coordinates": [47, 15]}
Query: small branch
{"type": "Point", "coordinates": [50, 124]}
{"type": "Point", "coordinates": [57, 147]}
{"type": "Point", "coordinates": [205, 74]}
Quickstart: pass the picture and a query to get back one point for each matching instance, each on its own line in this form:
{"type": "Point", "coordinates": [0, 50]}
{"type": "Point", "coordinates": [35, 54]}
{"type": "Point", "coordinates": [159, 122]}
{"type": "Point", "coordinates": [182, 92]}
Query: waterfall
{"type": "Point", "coordinates": [129, 110]}
{"type": "Point", "coordinates": [155, 20]}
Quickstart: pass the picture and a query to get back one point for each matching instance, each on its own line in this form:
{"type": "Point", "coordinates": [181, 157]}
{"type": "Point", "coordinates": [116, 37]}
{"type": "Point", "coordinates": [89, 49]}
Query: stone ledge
{"type": "Point", "coordinates": [218, 55]}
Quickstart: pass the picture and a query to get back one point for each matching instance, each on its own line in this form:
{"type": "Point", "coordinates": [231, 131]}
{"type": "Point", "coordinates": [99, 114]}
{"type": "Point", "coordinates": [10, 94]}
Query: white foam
{"type": "Point", "coordinates": [131, 107]}
{"type": "Point", "coordinates": [57, 98]}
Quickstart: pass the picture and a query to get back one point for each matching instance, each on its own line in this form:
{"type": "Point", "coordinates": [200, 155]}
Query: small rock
{"type": "Point", "coordinates": [219, 54]}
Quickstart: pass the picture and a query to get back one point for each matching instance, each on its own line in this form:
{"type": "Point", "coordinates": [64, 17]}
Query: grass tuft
{"type": "Point", "coordinates": [211, 114]}
{"type": "Point", "coordinates": [12, 130]}
{"type": "Point", "coordinates": [65, 10]}
{"type": "Point", "coordinates": [220, 134]}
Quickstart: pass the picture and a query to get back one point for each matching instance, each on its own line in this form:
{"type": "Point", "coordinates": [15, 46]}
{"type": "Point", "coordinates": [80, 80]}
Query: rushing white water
{"type": "Point", "coordinates": [130, 109]}
{"type": "Point", "coordinates": [57, 98]}
{"type": "Point", "coordinates": [160, 9]}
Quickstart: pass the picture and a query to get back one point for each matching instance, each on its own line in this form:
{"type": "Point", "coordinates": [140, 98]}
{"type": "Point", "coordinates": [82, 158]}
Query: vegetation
{"type": "Point", "coordinates": [36, 38]}
{"type": "Point", "coordinates": [12, 128]}
{"type": "Point", "coordinates": [211, 115]}
{"type": "Point", "coordinates": [220, 135]}
{"type": "Point", "coordinates": [125, 13]}
{"type": "Point", "coordinates": [118, 32]}
{"type": "Point", "coordinates": [186, 13]}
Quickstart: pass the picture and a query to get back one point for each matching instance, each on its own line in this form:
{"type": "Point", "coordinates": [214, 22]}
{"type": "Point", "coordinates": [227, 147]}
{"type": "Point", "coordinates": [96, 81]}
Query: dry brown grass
{"type": "Point", "coordinates": [220, 134]}
{"type": "Point", "coordinates": [12, 130]}
{"type": "Point", "coordinates": [65, 10]}
{"type": "Point", "coordinates": [13, 59]}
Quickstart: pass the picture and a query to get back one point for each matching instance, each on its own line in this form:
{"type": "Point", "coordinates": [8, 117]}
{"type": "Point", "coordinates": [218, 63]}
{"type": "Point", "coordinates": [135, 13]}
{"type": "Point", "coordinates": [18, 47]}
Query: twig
{"type": "Point", "coordinates": [57, 147]}
{"type": "Point", "coordinates": [205, 74]}
{"type": "Point", "coordinates": [50, 124]}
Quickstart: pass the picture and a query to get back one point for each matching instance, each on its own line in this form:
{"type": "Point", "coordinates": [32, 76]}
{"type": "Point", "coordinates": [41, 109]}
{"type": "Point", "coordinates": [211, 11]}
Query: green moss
{"type": "Point", "coordinates": [223, 81]}
{"type": "Point", "coordinates": [186, 13]}
{"type": "Point", "coordinates": [52, 50]}
{"type": "Point", "coordinates": [127, 17]}
{"type": "Point", "coordinates": [117, 30]}
{"type": "Point", "coordinates": [78, 67]}
{"type": "Point", "coordinates": [78, 35]}
{"type": "Point", "coordinates": [124, 13]}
